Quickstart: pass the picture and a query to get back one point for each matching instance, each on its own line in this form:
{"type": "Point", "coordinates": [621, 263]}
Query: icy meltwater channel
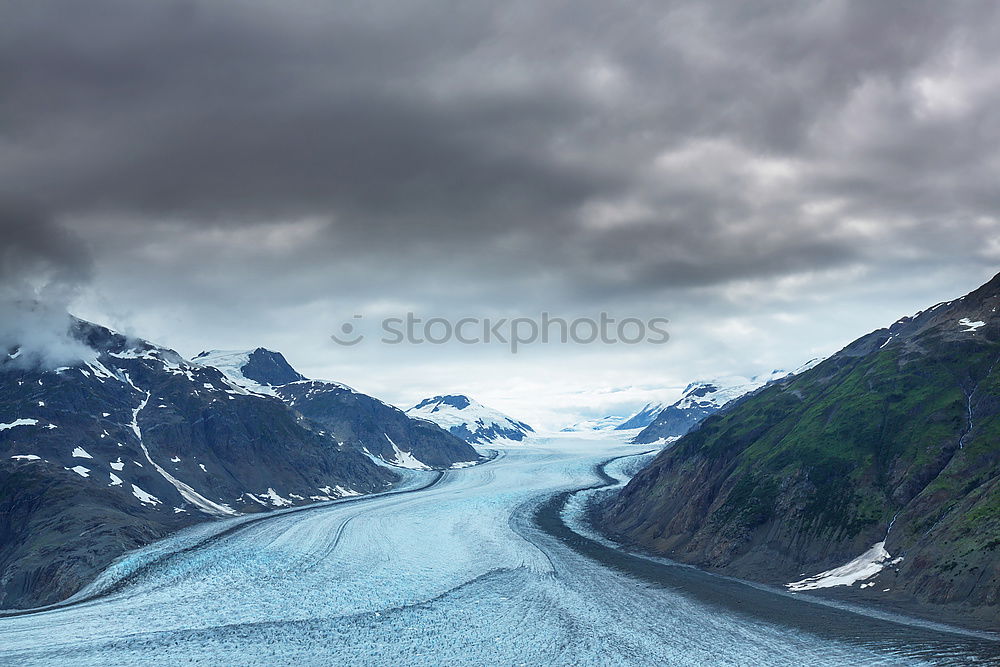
{"type": "Point", "coordinates": [458, 573]}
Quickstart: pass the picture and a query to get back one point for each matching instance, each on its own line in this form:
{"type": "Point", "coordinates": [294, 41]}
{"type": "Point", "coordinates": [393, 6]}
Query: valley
{"type": "Point", "coordinates": [455, 572]}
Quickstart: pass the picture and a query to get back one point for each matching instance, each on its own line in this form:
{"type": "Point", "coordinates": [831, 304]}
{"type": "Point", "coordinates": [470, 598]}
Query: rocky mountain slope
{"type": "Point", "coordinates": [874, 476]}
{"type": "Point", "coordinates": [258, 370]}
{"type": "Point", "coordinates": [469, 420]}
{"type": "Point", "coordinates": [354, 419]}
{"type": "Point", "coordinates": [131, 441]}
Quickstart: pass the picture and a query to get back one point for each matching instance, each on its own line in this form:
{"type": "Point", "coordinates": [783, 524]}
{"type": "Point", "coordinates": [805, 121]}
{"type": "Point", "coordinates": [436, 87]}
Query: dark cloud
{"type": "Point", "coordinates": [36, 251]}
{"type": "Point", "coordinates": [562, 150]}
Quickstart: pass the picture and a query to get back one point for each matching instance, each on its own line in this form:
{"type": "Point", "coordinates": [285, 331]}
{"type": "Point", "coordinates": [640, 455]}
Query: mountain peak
{"type": "Point", "coordinates": [260, 366]}
{"type": "Point", "coordinates": [699, 400]}
{"type": "Point", "coordinates": [468, 419]}
{"type": "Point", "coordinates": [457, 401]}
{"type": "Point", "coordinates": [269, 367]}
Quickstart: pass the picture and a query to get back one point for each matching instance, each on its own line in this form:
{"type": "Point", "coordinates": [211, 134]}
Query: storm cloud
{"type": "Point", "coordinates": [42, 269]}
{"type": "Point", "coordinates": [504, 155]}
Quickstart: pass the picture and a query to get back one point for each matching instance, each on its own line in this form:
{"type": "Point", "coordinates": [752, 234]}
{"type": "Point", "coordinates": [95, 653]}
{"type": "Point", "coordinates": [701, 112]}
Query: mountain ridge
{"type": "Point", "coordinates": [131, 442]}
{"type": "Point", "coordinates": [886, 451]}
{"type": "Point", "coordinates": [375, 427]}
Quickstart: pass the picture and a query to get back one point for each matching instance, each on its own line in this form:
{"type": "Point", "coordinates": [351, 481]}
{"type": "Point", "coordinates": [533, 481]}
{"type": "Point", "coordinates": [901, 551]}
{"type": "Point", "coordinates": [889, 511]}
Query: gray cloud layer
{"type": "Point", "coordinates": [667, 143]}
{"type": "Point", "coordinates": [489, 152]}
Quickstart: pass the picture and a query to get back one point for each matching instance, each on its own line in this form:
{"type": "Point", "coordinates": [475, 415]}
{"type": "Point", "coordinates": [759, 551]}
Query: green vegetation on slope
{"type": "Point", "coordinates": [810, 472]}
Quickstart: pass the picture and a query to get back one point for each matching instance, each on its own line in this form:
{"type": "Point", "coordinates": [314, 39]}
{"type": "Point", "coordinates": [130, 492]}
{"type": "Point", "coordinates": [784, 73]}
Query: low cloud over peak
{"type": "Point", "coordinates": [42, 269]}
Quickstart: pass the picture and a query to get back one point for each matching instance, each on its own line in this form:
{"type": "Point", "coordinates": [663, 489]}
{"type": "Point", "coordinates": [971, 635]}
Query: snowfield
{"type": "Point", "coordinates": [454, 573]}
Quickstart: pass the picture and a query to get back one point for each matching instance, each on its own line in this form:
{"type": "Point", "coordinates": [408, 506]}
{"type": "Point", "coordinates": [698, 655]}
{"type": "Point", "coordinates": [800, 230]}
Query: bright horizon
{"type": "Point", "coordinates": [551, 386]}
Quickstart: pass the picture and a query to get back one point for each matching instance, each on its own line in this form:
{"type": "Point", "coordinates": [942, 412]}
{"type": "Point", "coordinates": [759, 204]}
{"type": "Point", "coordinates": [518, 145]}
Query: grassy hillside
{"type": "Point", "coordinates": [809, 473]}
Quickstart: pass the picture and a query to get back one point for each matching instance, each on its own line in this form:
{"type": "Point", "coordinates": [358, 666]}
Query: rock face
{"type": "Point", "coordinates": [379, 429]}
{"type": "Point", "coordinates": [132, 442]}
{"type": "Point", "coordinates": [355, 420]}
{"type": "Point", "coordinates": [899, 429]}
{"type": "Point", "coordinates": [699, 400]}
{"type": "Point", "coordinates": [256, 370]}
{"type": "Point", "coordinates": [469, 420]}
{"type": "Point", "coordinates": [270, 368]}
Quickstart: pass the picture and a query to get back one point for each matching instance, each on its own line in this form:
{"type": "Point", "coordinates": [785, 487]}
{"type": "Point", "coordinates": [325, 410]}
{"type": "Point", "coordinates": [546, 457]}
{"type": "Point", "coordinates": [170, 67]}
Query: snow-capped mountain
{"type": "Point", "coordinates": [642, 418]}
{"type": "Point", "coordinates": [699, 400]}
{"type": "Point", "coordinates": [258, 370]}
{"type": "Point", "coordinates": [469, 420]}
{"type": "Point", "coordinates": [131, 442]}
{"type": "Point", "coordinates": [377, 428]}
{"type": "Point", "coordinates": [382, 430]}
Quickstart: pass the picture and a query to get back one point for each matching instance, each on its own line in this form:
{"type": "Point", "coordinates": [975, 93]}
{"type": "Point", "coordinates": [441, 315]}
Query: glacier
{"type": "Point", "coordinates": [450, 570]}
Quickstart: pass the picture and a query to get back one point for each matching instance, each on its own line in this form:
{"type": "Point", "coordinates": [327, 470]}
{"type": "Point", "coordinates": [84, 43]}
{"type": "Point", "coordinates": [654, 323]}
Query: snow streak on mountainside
{"type": "Point", "coordinates": [469, 420]}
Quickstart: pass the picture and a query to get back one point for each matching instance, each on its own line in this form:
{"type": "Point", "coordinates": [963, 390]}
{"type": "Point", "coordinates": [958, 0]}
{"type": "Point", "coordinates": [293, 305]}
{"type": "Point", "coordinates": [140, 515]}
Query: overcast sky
{"type": "Point", "coordinates": [776, 178]}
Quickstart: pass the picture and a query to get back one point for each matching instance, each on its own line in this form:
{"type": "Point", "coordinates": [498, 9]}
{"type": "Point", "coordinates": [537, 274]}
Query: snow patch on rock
{"type": "Point", "coordinates": [144, 497]}
{"type": "Point", "coordinates": [276, 499]}
{"type": "Point", "coordinates": [405, 459]}
{"type": "Point", "coordinates": [18, 422]}
{"type": "Point", "coordinates": [972, 326]}
{"type": "Point", "coordinates": [865, 566]}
